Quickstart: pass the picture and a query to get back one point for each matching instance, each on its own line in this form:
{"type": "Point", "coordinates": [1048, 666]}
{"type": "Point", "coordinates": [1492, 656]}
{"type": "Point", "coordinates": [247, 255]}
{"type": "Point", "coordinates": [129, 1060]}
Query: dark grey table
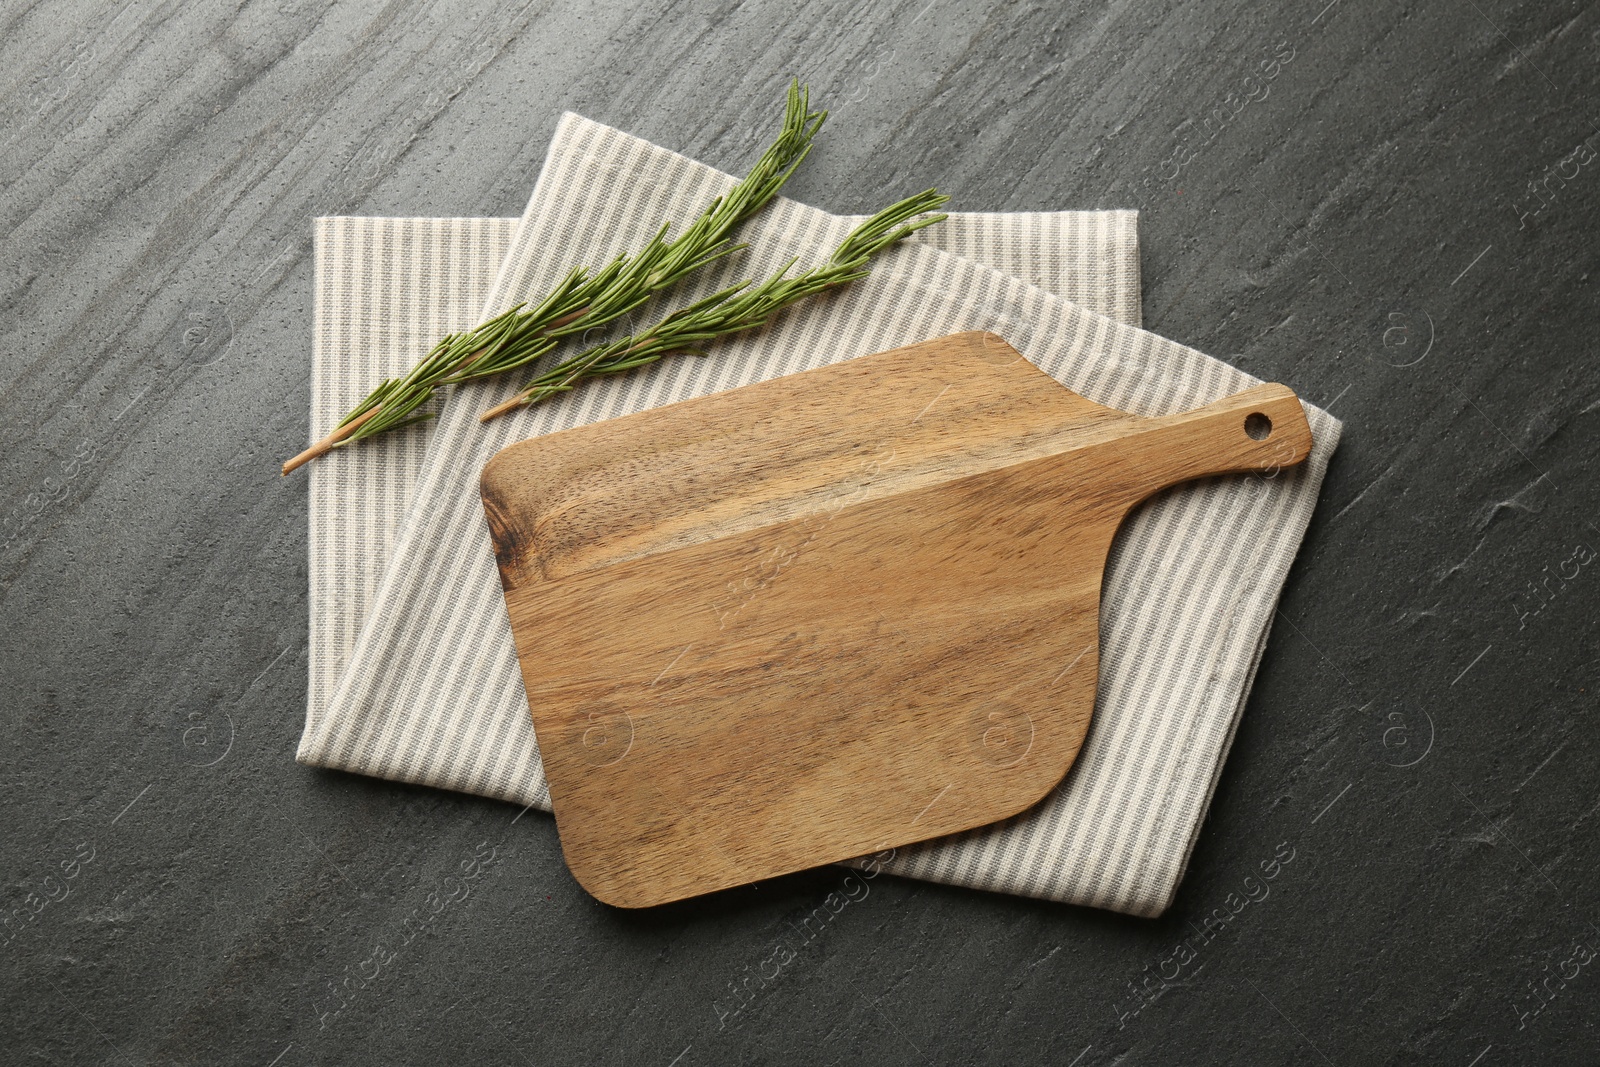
{"type": "Point", "coordinates": [1399, 223]}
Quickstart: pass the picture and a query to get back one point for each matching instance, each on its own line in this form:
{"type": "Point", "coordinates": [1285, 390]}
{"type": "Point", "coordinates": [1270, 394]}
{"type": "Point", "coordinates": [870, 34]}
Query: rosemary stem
{"type": "Point", "coordinates": [500, 409]}
{"type": "Point", "coordinates": [584, 298]}
{"type": "Point", "coordinates": [325, 445]}
{"type": "Point", "coordinates": [736, 309]}
{"type": "Point", "coordinates": [565, 320]}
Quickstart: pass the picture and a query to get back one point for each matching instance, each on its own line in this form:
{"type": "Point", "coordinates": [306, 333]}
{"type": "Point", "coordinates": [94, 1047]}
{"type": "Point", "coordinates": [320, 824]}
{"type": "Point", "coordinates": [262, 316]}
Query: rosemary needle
{"type": "Point", "coordinates": [735, 309]}
{"type": "Point", "coordinates": [582, 300]}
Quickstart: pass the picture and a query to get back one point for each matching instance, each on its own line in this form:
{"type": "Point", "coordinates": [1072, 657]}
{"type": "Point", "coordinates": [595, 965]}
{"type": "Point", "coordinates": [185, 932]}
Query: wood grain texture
{"type": "Point", "coordinates": [829, 613]}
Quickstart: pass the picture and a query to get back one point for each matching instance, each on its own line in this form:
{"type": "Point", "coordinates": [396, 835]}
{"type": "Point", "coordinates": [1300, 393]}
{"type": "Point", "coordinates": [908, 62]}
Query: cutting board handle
{"type": "Point", "coordinates": [1261, 430]}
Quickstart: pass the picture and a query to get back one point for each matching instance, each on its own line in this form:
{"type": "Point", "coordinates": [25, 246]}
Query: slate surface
{"type": "Point", "coordinates": [1395, 214]}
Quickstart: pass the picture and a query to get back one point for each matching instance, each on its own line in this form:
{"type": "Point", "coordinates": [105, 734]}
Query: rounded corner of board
{"type": "Point", "coordinates": [607, 892]}
{"type": "Point", "coordinates": [491, 469]}
{"type": "Point", "coordinates": [987, 341]}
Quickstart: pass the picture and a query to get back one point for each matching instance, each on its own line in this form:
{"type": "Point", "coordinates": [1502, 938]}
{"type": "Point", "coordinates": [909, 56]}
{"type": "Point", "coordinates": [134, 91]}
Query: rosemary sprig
{"type": "Point", "coordinates": [734, 309]}
{"type": "Point", "coordinates": [582, 300]}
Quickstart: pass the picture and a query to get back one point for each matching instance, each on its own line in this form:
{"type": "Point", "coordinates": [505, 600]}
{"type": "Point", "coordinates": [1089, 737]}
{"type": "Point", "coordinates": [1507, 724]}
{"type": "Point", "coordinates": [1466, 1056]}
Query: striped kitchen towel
{"type": "Point", "coordinates": [430, 690]}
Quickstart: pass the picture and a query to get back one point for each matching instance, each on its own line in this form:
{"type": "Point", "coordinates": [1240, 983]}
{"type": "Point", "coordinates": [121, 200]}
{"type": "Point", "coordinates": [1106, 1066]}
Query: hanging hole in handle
{"type": "Point", "coordinates": [1257, 426]}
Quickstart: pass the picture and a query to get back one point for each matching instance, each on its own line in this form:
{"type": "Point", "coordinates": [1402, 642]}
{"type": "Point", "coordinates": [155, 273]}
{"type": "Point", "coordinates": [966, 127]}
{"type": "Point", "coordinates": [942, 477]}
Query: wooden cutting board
{"type": "Point", "coordinates": [830, 613]}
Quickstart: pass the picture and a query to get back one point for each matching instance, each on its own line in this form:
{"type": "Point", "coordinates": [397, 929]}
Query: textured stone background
{"type": "Point", "coordinates": [1400, 223]}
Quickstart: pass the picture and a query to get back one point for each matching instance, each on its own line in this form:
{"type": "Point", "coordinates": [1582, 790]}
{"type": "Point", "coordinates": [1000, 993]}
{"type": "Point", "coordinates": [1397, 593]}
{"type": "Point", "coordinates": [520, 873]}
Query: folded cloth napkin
{"type": "Point", "coordinates": [431, 691]}
{"type": "Point", "coordinates": [385, 290]}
